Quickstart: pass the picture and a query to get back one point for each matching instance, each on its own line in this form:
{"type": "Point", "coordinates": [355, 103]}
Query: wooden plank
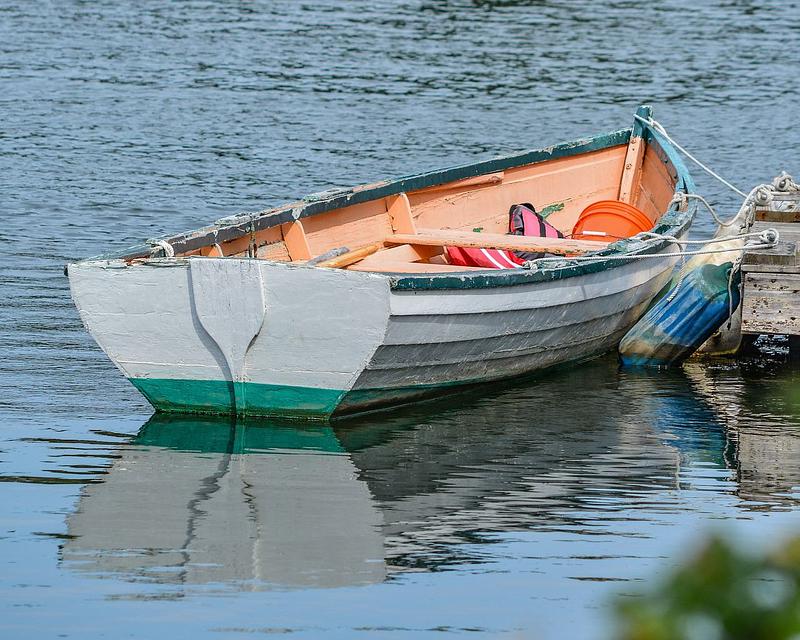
{"type": "Point", "coordinates": [294, 236]}
{"type": "Point", "coordinates": [788, 231]}
{"type": "Point", "coordinates": [400, 253]}
{"type": "Point", "coordinates": [783, 253]}
{"type": "Point", "coordinates": [350, 257]}
{"type": "Point", "coordinates": [477, 181]}
{"type": "Point", "coordinates": [770, 268]}
{"type": "Point", "coordinates": [772, 215]}
{"type": "Point", "coordinates": [656, 185]}
{"type": "Point", "coordinates": [399, 266]}
{"type": "Point", "coordinates": [771, 303]}
{"type": "Point", "coordinates": [454, 238]}
{"type": "Point", "coordinates": [275, 251]}
{"type": "Point", "coordinates": [572, 183]}
{"type": "Point", "coordinates": [399, 210]}
{"type": "Point", "coordinates": [354, 226]}
{"type": "Point", "coordinates": [631, 172]}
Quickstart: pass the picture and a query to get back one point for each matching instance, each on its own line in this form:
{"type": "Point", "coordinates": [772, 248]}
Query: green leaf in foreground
{"type": "Point", "coordinates": [720, 594]}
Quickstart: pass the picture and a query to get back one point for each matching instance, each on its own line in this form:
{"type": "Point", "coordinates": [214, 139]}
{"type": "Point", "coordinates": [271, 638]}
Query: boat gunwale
{"type": "Point", "coordinates": [238, 225]}
{"type": "Point", "coordinates": [673, 222]}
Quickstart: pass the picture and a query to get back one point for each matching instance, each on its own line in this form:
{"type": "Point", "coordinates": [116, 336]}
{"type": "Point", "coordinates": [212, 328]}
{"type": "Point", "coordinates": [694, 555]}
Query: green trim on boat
{"type": "Point", "coordinates": [674, 222]}
{"type": "Point", "coordinates": [216, 397]}
{"type": "Point", "coordinates": [316, 203]}
{"type": "Point", "coordinates": [218, 434]}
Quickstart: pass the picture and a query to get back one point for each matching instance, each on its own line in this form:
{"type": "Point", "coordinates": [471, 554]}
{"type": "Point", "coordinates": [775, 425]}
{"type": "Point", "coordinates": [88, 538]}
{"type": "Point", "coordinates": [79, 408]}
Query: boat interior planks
{"type": "Point", "coordinates": [471, 239]}
{"type": "Point", "coordinates": [361, 302]}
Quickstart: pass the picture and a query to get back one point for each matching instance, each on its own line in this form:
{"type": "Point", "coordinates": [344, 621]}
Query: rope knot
{"type": "Point", "coordinates": [763, 195]}
{"type": "Point", "coordinates": [769, 236]}
{"type": "Point", "coordinates": [681, 200]}
{"type": "Point", "coordinates": [784, 182]}
{"type": "Point", "coordinates": [166, 247]}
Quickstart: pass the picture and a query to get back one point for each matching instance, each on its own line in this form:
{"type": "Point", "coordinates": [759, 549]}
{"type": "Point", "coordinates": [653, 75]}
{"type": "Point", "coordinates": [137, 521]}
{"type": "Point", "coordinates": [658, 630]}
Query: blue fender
{"type": "Point", "coordinates": [678, 324]}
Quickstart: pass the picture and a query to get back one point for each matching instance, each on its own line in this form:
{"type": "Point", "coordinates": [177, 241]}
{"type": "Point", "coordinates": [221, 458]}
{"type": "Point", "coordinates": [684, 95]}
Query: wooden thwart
{"type": "Point", "coordinates": [471, 239]}
{"type": "Point", "coordinates": [399, 253]}
{"type": "Point", "coordinates": [392, 266]}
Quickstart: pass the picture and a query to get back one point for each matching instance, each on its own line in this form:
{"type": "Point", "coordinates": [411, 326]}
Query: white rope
{"type": "Point", "coordinates": [682, 197]}
{"type": "Point", "coordinates": [769, 238]}
{"type": "Point", "coordinates": [660, 129]}
{"type": "Point", "coordinates": [169, 251]}
{"type": "Point", "coordinates": [752, 234]}
{"type": "Point", "coordinates": [785, 183]}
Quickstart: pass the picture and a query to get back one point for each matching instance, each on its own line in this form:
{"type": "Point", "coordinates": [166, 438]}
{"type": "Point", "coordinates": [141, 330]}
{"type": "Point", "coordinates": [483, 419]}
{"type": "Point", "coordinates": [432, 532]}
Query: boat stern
{"type": "Point", "coordinates": [233, 336]}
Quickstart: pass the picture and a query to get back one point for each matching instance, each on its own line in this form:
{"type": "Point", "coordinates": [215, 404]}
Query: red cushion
{"type": "Point", "coordinates": [487, 258]}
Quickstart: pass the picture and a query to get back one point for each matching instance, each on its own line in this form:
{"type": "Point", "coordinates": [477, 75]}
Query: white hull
{"type": "Point", "coordinates": [267, 338]}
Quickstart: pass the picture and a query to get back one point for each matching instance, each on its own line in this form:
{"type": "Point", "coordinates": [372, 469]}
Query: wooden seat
{"type": "Point", "coordinates": [472, 239]}
{"type": "Point", "coordinates": [413, 250]}
{"type": "Point", "coordinates": [391, 266]}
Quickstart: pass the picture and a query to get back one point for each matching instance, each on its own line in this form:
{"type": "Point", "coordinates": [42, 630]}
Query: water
{"type": "Point", "coordinates": [518, 513]}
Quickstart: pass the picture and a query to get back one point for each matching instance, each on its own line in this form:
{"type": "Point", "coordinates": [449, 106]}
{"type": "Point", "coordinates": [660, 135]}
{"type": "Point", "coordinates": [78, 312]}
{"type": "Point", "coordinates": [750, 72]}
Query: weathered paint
{"type": "Point", "coordinates": [678, 324]}
{"type": "Point", "coordinates": [222, 290]}
{"type": "Point", "coordinates": [699, 302]}
{"type": "Point", "coordinates": [320, 328]}
{"type": "Point", "coordinates": [673, 223]}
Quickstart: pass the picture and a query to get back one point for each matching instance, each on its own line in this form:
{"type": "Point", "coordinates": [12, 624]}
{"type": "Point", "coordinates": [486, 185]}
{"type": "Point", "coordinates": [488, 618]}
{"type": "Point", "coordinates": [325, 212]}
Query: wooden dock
{"type": "Point", "coordinates": [771, 277]}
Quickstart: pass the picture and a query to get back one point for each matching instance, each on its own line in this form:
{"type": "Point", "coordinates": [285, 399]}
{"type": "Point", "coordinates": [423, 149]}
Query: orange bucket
{"type": "Point", "coordinates": [610, 220]}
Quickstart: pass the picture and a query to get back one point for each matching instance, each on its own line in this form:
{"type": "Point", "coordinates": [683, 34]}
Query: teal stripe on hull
{"type": "Point", "coordinates": [307, 403]}
{"type": "Point", "coordinates": [216, 397]}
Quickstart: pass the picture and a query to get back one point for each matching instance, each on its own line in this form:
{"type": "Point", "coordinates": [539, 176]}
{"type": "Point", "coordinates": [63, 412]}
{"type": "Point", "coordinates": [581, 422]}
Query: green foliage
{"type": "Point", "coordinates": [721, 594]}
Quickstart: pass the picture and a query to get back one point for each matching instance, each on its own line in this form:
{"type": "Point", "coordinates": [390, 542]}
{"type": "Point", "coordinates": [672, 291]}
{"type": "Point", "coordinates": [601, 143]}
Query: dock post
{"type": "Point", "coordinates": [794, 348]}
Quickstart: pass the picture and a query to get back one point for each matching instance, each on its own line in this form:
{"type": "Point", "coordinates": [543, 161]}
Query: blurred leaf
{"type": "Point", "coordinates": [722, 593]}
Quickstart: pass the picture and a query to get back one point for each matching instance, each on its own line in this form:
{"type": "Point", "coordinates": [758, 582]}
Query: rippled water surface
{"type": "Point", "coordinates": [518, 513]}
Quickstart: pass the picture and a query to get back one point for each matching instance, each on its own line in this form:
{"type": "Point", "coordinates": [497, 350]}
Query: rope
{"type": "Point", "coordinates": [784, 182]}
{"type": "Point", "coordinates": [680, 198]}
{"type": "Point", "coordinates": [660, 129]}
{"type": "Point", "coordinates": [766, 236]}
{"type": "Point", "coordinates": [169, 251]}
{"type": "Point", "coordinates": [769, 238]}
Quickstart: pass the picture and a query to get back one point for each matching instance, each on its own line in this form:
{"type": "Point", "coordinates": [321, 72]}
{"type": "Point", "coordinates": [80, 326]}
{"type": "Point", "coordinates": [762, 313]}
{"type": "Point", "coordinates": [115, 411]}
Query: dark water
{"type": "Point", "coordinates": [517, 513]}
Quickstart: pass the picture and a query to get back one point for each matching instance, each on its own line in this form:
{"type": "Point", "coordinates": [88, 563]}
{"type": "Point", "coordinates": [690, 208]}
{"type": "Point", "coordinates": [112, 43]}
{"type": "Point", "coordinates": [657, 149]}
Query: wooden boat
{"type": "Point", "coordinates": [244, 317]}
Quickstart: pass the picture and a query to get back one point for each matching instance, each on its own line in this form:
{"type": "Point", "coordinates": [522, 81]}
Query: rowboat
{"type": "Point", "coordinates": [345, 300]}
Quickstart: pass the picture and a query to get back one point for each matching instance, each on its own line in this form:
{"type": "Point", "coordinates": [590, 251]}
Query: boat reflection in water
{"type": "Point", "coordinates": [196, 501]}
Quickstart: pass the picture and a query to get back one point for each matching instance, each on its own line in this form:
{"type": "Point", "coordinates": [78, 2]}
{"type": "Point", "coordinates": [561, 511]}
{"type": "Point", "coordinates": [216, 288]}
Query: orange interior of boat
{"type": "Point", "coordinates": [408, 232]}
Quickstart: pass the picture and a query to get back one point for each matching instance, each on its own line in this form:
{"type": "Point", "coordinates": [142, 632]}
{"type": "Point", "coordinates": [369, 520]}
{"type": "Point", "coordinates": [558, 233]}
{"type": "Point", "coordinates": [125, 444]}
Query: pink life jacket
{"type": "Point", "coordinates": [522, 221]}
